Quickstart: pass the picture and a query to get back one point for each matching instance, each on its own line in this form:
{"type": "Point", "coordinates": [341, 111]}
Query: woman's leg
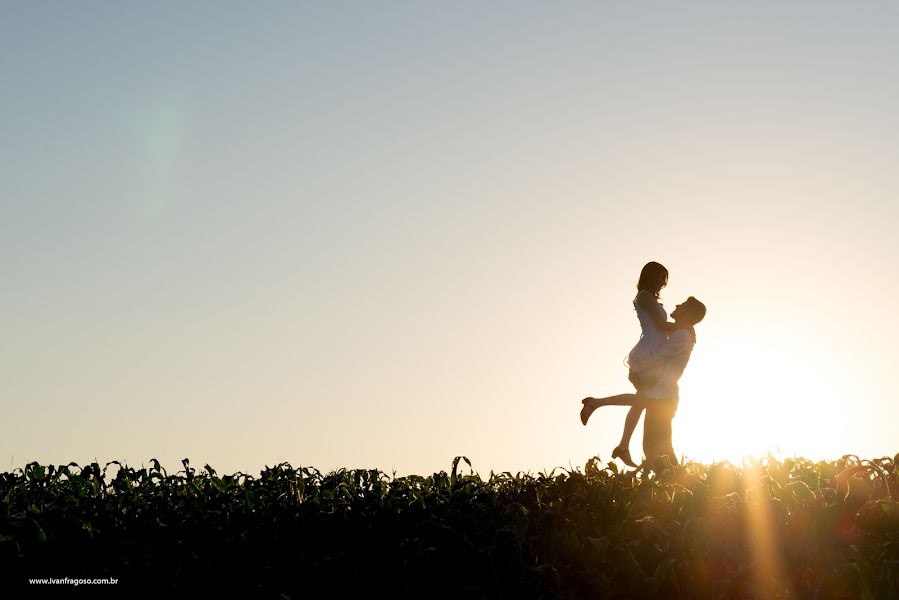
{"type": "Point", "coordinates": [630, 424]}
{"type": "Point", "coordinates": [591, 404]}
{"type": "Point", "coordinates": [637, 404]}
{"type": "Point", "coordinates": [623, 450]}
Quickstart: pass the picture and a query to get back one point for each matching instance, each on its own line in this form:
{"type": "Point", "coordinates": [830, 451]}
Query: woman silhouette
{"type": "Point", "coordinates": [654, 328]}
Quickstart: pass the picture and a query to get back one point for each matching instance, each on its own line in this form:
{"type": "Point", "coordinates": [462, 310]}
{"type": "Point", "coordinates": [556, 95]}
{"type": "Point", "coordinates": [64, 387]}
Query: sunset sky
{"type": "Point", "coordinates": [384, 234]}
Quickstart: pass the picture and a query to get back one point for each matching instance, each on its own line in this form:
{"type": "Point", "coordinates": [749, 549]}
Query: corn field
{"type": "Point", "coordinates": [765, 528]}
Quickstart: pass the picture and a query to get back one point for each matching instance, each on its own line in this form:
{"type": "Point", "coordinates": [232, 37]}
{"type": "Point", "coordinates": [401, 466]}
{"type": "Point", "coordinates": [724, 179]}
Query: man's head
{"type": "Point", "coordinates": [691, 311]}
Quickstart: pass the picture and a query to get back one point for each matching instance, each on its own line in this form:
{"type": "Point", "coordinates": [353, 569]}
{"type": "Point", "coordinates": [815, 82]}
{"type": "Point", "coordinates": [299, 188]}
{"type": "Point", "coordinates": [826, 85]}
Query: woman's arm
{"type": "Point", "coordinates": [647, 302]}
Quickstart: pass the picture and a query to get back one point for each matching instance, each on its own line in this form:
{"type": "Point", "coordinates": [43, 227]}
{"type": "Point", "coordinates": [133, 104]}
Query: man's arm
{"type": "Point", "coordinates": [679, 341]}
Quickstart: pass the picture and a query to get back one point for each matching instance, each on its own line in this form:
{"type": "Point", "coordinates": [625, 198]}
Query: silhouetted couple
{"type": "Point", "coordinates": [656, 364]}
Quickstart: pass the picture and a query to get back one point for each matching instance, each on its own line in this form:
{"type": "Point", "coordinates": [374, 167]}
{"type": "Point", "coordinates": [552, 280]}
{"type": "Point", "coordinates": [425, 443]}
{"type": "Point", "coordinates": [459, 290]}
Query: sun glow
{"type": "Point", "coordinates": [766, 393]}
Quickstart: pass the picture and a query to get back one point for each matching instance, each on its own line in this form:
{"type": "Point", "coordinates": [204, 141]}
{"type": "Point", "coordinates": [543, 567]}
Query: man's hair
{"type": "Point", "coordinates": [696, 308]}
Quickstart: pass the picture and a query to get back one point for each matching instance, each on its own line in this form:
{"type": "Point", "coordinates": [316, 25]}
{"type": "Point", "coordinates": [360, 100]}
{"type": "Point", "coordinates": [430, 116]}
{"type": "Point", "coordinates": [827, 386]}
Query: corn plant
{"type": "Point", "coordinates": [768, 528]}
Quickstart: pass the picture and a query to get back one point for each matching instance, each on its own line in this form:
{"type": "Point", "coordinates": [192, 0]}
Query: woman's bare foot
{"type": "Point", "coordinates": [588, 409]}
{"type": "Point", "coordinates": [625, 455]}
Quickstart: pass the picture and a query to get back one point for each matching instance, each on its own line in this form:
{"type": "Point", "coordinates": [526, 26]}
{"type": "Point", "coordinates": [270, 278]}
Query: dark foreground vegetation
{"type": "Point", "coordinates": [762, 529]}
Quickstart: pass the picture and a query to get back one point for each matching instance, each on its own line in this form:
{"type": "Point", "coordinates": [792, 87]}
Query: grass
{"type": "Point", "coordinates": [764, 528]}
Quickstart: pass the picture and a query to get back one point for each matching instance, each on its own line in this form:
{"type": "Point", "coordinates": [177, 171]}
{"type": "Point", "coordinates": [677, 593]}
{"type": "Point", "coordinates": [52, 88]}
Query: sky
{"type": "Point", "coordinates": [382, 235]}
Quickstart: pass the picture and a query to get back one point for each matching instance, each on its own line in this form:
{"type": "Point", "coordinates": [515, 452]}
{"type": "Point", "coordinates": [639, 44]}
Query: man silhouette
{"type": "Point", "coordinates": [662, 398]}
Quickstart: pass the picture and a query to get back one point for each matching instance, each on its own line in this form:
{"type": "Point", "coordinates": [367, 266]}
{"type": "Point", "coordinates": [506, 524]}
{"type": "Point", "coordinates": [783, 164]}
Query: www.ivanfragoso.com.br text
{"type": "Point", "coordinates": [70, 581]}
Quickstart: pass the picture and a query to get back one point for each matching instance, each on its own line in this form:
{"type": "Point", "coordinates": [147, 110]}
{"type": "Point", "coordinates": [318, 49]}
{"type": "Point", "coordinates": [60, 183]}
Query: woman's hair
{"type": "Point", "coordinates": [649, 275]}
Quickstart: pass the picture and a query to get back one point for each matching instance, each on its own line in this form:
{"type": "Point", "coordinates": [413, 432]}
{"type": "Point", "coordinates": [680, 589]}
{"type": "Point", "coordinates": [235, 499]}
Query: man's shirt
{"type": "Point", "coordinates": [668, 364]}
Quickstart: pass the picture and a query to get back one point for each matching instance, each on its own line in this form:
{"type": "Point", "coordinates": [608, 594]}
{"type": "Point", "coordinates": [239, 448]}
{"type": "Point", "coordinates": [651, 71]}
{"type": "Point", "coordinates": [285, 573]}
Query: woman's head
{"type": "Point", "coordinates": [653, 278]}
